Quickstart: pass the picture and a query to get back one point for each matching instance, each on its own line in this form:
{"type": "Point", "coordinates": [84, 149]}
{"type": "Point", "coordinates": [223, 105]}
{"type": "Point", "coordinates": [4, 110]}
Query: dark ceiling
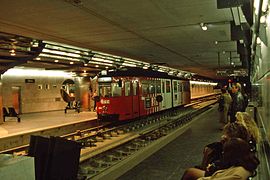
{"type": "Point", "coordinates": [153, 31]}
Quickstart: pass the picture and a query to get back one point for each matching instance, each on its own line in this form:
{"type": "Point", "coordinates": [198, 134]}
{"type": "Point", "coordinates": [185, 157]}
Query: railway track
{"type": "Point", "coordinates": [134, 143]}
{"type": "Point", "coordinates": [107, 148]}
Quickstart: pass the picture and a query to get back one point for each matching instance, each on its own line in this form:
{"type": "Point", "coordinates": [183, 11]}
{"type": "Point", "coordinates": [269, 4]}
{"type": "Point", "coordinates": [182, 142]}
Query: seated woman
{"type": "Point", "coordinates": [247, 121]}
{"type": "Point", "coordinates": [238, 161]}
{"type": "Point", "coordinates": [213, 152]}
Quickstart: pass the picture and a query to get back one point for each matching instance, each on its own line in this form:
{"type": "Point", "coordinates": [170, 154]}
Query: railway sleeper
{"type": "Point", "coordinates": [132, 148]}
{"type": "Point", "coordinates": [120, 131]}
{"type": "Point", "coordinates": [137, 145]}
{"type": "Point", "coordinates": [89, 170]}
{"type": "Point", "coordinates": [112, 157]}
{"type": "Point", "coordinates": [99, 139]}
{"type": "Point", "coordinates": [121, 152]}
{"type": "Point", "coordinates": [89, 143]}
{"type": "Point", "coordinates": [114, 134]}
{"type": "Point", "coordinates": [101, 163]}
{"type": "Point", "coordinates": [106, 136]}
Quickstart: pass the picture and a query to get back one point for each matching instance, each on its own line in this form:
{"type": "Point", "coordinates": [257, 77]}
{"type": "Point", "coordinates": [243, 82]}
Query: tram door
{"type": "Point", "coordinates": [166, 86]}
{"type": "Point", "coordinates": [135, 99]}
{"type": "Point", "coordinates": [16, 98]}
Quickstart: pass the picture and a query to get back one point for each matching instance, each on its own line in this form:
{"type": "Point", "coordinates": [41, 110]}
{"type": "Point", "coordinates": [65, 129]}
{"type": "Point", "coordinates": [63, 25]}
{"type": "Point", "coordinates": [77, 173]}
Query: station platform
{"type": "Point", "coordinates": [54, 123]}
{"type": "Point", "coordinates": [185, 151]}
{"type": "Point", "coordinates": [44, 120]}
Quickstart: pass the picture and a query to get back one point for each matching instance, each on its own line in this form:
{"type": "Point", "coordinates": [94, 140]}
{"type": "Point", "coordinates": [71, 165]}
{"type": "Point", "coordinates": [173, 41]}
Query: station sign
{"type": "Point", "coordinates": [232, 72]}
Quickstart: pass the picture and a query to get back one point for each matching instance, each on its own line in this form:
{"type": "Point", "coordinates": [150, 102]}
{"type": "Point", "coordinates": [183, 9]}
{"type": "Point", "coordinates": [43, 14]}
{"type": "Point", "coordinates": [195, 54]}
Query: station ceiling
{"type": "Point", "coordinates": [153, 31]}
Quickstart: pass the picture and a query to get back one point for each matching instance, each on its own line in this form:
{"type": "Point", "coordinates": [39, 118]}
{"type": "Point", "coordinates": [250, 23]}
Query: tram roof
{"type": "Point", "coordinates": [139, 72]}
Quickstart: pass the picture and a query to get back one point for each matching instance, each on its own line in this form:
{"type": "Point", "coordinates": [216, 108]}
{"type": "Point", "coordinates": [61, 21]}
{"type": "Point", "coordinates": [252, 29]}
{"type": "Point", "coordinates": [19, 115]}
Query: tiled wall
{"type": "Point", "coordinates": [42, 95]}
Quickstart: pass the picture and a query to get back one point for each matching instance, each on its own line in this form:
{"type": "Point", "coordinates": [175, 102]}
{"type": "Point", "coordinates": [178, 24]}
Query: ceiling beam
{"type": "Point", "coordinates": [221, 4]}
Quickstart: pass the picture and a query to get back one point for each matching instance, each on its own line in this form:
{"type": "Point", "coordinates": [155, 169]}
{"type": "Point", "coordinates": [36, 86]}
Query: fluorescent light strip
{"type": "Point", "coordinates": [65, 46]}
{"type": "Point", "coordinates": [61, 53]}
{"type": "Point", "coordinates": [130, 65]}
{"type": "Point", "coordinates": [36, 73]}
{"type": "Point", "coordinates": [100, 63]}
{"type": "Point", "coordinates": [58, 57]}
{"type": "Point", "coordinates": [101, 60]}
{"type": "Point", "coordinates": [203, 83]}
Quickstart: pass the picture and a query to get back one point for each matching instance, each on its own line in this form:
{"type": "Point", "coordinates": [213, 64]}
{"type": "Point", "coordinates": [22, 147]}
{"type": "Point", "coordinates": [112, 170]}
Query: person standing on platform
{"type": "Point", "coordinates": [225, 101]}
{"type": "Point", "coordinates": [238, 103]}
{"type": "Point", "coordinates": [94, 97]}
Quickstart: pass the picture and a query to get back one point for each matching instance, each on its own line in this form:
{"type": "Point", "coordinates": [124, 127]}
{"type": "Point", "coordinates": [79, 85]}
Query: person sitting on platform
{"type": "Point", "coordinates": [212, 154]}
{"type": "Point", "coordinates": [238, 161]}
{"type": "Point", "coordinates": [248, 122]}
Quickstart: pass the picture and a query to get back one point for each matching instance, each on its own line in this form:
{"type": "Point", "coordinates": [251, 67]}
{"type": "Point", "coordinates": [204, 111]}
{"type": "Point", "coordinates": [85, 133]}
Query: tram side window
{"type": "Point", "coordinates": [163, 87]}
{"type": "Point", "coordinates": [135, 86]}
{"type": "Point", "coordinates": [145, 89]}
{"type": "Point", "coordinates": [158, 86]}
{"type": "Point", "coordinates": [116, 90]}
{"type": "Point", "coordinates": [175, 86]}
{"type": "Point", "coordinates": [180, 87]}
{"type": "Point", "coordinates": [152, 88]}
{"type": "Point", "coordinates": [127, 88]}
{"type": "Point", "coordinates": [168, 86]}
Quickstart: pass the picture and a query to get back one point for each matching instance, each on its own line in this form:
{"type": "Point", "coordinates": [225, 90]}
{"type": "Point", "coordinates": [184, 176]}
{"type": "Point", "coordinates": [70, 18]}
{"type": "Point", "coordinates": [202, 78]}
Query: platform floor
{"type": "Point", "coordinates": [43, 120]}
{"type": "Point", "coordinates": [170, 162]}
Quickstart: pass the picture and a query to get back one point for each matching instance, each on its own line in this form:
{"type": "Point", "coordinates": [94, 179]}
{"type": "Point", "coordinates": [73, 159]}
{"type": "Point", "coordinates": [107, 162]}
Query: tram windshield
{"type": "Point", "coordinates": [109, 90]}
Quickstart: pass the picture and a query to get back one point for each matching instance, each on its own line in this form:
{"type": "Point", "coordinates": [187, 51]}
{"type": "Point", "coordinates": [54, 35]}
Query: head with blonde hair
{"type": "Point", "coordinates": [247, 121]}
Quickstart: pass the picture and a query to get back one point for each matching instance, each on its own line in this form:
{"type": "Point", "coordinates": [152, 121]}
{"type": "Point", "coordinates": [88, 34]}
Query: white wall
{"type": "Point", "coordinates": [34, 99]}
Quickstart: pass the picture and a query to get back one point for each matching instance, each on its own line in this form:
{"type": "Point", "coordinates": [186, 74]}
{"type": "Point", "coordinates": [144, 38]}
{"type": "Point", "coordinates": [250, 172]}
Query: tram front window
{"type": "Point", "coordinates": [110, 90]}
{"type": "Point", "coordinates": [105, 90]}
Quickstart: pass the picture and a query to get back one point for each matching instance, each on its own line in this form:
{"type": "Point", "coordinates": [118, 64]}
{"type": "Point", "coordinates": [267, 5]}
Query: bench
{"type": "Point", "coordinates": [10, 113]}
{"type": "Point", "coordinates": [76, 107]}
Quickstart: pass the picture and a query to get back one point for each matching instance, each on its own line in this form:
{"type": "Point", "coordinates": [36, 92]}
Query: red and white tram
{"type": "Point", "coordinates": [131, 93]}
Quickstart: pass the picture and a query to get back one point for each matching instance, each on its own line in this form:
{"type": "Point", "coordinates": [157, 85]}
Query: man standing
{"type": "Point", "coordinates": [238, 103]}
{"type": "Point", "coordinates": [94, 97]}
{"type": "Point", "coordinates": [225, 101]}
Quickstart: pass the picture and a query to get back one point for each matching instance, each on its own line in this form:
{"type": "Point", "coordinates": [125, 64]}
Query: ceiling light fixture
{"type": "Point", "coordinates": [56, 61]}
{"type": "Point", "coordinates": [216, 42]}
{"type": "Point", "coordinates": [203, 26]}
{"type": "Point", "coordinates": [71, 63]}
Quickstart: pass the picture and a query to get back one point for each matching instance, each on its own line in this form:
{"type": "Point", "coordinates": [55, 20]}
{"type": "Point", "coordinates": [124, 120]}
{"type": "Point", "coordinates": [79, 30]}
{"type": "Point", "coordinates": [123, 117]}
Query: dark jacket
{"type": "Point", "coordinates": [238, 104]}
